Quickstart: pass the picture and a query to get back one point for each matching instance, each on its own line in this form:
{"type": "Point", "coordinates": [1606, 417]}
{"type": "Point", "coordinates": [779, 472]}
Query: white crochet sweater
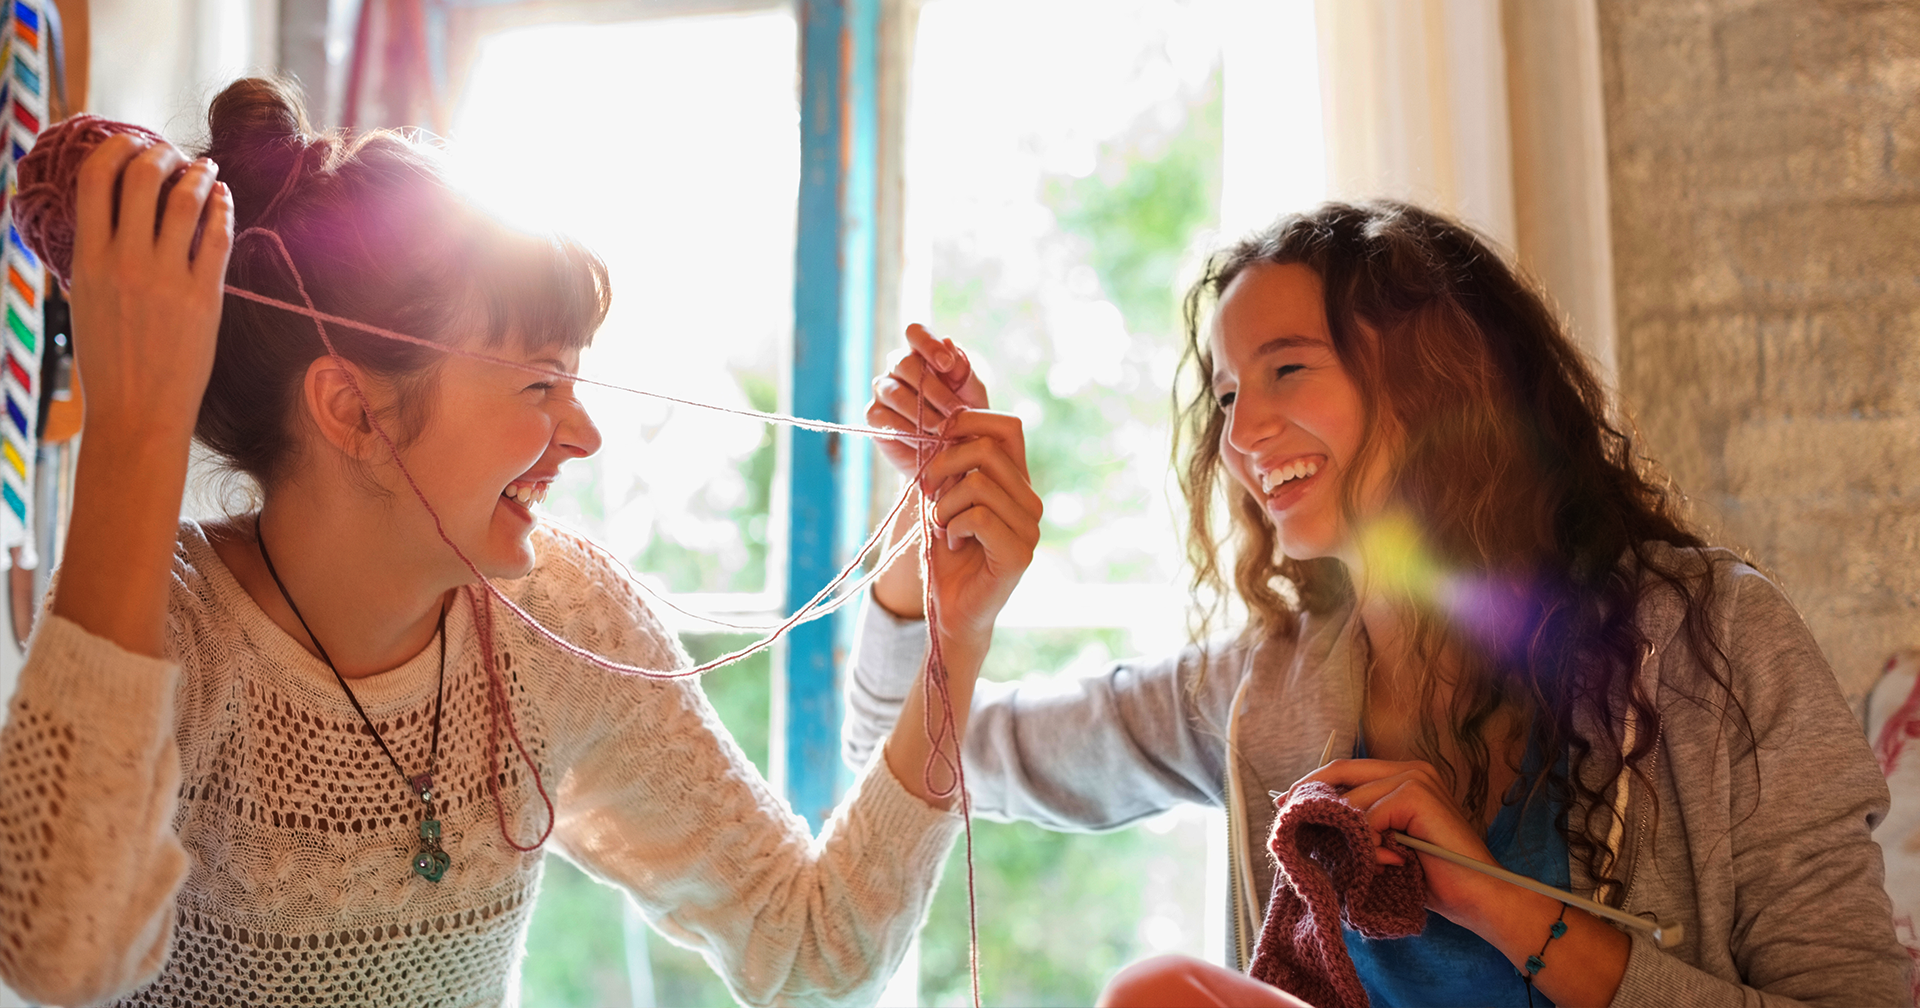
{"type": "Point", "coordinates": [221, 829]}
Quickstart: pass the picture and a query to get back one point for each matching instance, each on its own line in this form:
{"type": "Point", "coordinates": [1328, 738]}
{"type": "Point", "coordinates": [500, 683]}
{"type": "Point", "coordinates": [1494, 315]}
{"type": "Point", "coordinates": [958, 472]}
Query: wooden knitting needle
{"type": "Point", "coordinates": [1663, 935]}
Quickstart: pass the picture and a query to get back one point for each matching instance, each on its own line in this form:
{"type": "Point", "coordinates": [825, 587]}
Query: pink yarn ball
{"type": "Point", "coordinates": [43, 207]}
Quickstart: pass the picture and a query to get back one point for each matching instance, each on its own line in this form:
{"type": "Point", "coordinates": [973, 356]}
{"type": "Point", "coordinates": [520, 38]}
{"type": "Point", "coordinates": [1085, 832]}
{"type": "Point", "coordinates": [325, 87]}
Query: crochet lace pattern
{"type": "Point", "coordinates": [299, 835]}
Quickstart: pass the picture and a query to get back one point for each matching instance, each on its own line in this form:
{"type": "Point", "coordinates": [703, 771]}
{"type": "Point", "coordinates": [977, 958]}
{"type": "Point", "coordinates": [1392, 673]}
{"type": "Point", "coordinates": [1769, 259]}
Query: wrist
{"type": "Point", "coordinates": [139, 440]}
{"type": "Point", "coordinates": [898, 603]}
{"type": "Point", "coordinates": [1512, 919]}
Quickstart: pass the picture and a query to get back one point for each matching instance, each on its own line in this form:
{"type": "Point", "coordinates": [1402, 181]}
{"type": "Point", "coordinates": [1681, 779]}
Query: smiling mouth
{"type": "Point", "coordinates": [527, 493]}
{"type": "Point", "coordinates": [1298, 469]}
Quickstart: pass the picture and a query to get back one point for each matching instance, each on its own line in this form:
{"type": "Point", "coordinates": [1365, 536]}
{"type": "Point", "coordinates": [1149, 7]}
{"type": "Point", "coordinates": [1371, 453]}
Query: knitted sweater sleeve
{"type": "Point", "coordinates": [658, 799]}
{"type": "Point", "coordinates": [89, 780]}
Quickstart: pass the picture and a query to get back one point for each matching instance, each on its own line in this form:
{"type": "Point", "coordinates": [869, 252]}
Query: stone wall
{"type": "Point", "coordinates": [1764, 162]}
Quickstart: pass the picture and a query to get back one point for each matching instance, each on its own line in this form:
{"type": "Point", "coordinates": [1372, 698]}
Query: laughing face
{"type": "Point", "coordinates": [1294, 415]}
{"type": "Point", "coordinates": [494, 445]}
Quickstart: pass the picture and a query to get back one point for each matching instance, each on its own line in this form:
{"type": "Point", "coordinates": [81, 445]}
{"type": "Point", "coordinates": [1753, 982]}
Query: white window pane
{"type": "Point", "coordinates": [670, 147]}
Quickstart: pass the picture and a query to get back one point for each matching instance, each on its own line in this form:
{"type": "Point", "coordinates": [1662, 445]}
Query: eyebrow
{"type": "Point", "coordinates": [1288, 343]}
{"type": "Point", "coordinates": [1279, 343]}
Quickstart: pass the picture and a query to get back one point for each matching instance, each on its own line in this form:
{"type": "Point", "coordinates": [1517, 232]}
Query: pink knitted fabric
{"type": "Point", "coordinates": [1327, 873]}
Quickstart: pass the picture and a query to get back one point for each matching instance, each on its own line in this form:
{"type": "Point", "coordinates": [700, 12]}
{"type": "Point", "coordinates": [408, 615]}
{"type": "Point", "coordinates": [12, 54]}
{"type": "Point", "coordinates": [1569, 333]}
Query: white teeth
{"type": "Point", "coordinates": [527, 494]}
{"type": "Point", "coordinates": [1296, 469]}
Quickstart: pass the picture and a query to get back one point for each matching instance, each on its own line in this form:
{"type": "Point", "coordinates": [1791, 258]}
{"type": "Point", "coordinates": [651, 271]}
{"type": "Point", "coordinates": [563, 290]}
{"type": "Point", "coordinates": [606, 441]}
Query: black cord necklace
{"type": "Point", "coordinates": [432, 862]}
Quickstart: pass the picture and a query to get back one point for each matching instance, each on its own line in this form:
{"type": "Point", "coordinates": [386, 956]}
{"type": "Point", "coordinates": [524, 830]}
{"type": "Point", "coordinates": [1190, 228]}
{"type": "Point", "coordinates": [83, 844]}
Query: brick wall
{"type": "Point", "coordinates": [1764, 162]}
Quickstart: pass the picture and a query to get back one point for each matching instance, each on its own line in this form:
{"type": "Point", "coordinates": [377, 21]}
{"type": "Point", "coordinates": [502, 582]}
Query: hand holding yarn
{"type": "Point", "coordinates": [908, 398]}
{"type": "Point", "coordinates": [140, 236]}
{"type": "Point", "coordinates": [986, 523]}
{"type": "Point", "coordinates": [45, 205]}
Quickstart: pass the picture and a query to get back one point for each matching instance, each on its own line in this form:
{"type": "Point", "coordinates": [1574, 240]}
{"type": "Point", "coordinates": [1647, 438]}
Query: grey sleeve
{"type": "Point", "coordinates": [1810, 920]}
{"type": "Point", "coordinates": [881, 666]}
{"type": "Point", "coordinates": [1088, 752]}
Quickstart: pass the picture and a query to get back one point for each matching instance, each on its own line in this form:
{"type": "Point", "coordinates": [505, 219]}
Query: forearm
{"type": "Point", "coordinates": [97, 864]}
{"type": "Point", "coordinates": [899, 589]}
{"type": "Point", "coordinates": [1582, 967]}
{"type": "Point", "coordinates": [910, 748]}
{"type": "Point", "coordinates": [120, 540]}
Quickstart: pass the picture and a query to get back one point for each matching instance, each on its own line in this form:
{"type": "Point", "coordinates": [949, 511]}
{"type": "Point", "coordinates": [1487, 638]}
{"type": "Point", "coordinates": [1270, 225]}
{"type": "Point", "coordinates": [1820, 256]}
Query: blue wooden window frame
{"type": "Point", "coordinates": [829, 476]}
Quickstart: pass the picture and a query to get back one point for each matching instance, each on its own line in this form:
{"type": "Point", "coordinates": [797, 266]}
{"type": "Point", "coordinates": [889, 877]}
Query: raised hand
{"type": "Point", "coordinates": [146, 295]}
{"type": "Point", "coordinates": [928, 381]}
{"type": "Point", "coordinates": [987, 523]}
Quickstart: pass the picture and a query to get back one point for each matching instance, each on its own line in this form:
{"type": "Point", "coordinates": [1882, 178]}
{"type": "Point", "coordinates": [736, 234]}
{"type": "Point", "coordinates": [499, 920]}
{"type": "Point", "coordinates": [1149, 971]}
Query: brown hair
{"type": "Point", "coordinates": [1510, 469]}
{"type": "Point", "coordinates": [379, 236]}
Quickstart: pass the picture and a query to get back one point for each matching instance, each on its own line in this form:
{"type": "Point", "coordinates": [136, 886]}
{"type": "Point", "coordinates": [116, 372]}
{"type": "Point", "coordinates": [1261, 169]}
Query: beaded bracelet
{"type": "Point", "coordinates": [1534, 963]}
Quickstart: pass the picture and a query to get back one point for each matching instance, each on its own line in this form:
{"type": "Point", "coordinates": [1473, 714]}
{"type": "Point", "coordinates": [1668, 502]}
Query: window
{"type": "Point", "coordinates": [1065, 163]}
{"type": "Point", "coordinates": [670, 147]}
{"type": "Point", "coordinates": [1063, 166]}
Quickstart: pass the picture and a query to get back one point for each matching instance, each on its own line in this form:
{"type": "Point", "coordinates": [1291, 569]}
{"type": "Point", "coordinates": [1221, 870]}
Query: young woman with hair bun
{"type": "Point", "coordinates": [1461, 579]}
{"type": "Point", "coordinates": [264, 760]}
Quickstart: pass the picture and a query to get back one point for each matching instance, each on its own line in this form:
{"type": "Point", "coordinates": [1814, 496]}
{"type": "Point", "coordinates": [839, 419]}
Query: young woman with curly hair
{"type": "Point", "coordinates": [1452, 562]}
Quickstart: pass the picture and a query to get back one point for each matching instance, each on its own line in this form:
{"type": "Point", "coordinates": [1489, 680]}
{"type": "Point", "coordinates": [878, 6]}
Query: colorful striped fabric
{"type": "Point", "coordinates": [23, 93]}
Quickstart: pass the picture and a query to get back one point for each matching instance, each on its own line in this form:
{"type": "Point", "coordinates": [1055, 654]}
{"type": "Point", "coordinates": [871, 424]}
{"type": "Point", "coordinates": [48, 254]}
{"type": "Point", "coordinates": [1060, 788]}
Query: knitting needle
{"type": "Point", "coordinates": [1663, 935]}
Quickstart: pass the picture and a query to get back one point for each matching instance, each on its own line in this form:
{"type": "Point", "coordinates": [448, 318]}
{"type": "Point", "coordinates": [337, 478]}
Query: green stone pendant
{"type": "Point", "coordinates": [431, 863]}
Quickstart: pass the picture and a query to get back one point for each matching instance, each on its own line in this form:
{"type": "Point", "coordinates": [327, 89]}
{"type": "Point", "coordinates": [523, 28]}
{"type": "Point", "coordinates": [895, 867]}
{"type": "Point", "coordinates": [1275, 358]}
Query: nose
{"type": "Point", "coordinates": [577, 434]}
{"type": "Point", "coordinates": [1249, 422]}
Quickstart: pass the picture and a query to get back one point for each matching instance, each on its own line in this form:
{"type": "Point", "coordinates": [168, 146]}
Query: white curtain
{"type": "Point", "coordinates": [1489, 110]}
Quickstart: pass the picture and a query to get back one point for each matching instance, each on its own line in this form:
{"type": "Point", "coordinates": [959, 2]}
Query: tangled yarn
{"type": "Point", "coordinates": [49, 176]}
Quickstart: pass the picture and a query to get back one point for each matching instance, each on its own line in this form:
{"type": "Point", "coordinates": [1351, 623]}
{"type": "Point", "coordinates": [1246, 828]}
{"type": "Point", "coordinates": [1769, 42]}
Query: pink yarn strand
{"type": "Point", "coordinates": [825, 426]}
{"type": "Point", "coordinates": [498, 701]}
{"type": "Point", "coordinates": [935, 673]}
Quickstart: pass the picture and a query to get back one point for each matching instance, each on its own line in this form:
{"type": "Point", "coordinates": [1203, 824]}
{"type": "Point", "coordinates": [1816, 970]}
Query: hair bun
{"type": "Point", "coordinates": [256, 111]}
{"type": "Point", "coordinates": [43, 207]}
{"type": "Point", "coordinates": [257, 131]}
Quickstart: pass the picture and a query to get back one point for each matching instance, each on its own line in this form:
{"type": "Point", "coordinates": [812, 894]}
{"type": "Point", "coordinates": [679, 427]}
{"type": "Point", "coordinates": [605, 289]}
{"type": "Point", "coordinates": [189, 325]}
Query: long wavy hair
{"type": "Point", "coordinates": [1510, 471]}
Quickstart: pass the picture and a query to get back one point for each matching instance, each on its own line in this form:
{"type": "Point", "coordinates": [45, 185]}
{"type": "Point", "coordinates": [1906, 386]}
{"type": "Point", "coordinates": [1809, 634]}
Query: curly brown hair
{"type": "Point", "coordinates": [1508, 464]}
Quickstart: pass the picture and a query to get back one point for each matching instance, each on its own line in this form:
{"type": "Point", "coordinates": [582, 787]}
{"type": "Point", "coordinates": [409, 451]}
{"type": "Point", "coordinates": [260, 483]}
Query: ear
{"type": "Point", "coordinates": [332, 393]}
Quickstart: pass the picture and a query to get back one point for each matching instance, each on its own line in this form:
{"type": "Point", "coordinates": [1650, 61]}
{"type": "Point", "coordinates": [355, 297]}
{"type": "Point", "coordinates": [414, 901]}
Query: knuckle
{"type": "Point", "coordinates": [144, 171]}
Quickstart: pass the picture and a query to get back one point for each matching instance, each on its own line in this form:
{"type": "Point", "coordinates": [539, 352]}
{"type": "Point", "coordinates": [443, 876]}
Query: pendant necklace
{"type": "Point", "coordinates": [432, 862]}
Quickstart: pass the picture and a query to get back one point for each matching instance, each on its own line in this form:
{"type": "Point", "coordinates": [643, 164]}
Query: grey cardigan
{"type": "Point", "coordinates": [1774, 874]}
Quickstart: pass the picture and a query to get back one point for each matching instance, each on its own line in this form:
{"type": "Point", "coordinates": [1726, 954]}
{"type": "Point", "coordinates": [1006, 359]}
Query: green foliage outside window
{"type": "Point", "coordinates": [1059, 912]}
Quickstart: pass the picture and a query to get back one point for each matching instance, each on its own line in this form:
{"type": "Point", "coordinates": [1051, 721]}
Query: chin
{"type": "Point", "coordinates": [508, 562]}
{"type": "Point", "coordinates": [1304, 547]}
{"type": "Point", "coordinates": [501, 554]}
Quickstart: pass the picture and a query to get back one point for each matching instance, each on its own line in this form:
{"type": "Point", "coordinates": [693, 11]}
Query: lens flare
{"type": "Point", "coordinates": [1496, 610]}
